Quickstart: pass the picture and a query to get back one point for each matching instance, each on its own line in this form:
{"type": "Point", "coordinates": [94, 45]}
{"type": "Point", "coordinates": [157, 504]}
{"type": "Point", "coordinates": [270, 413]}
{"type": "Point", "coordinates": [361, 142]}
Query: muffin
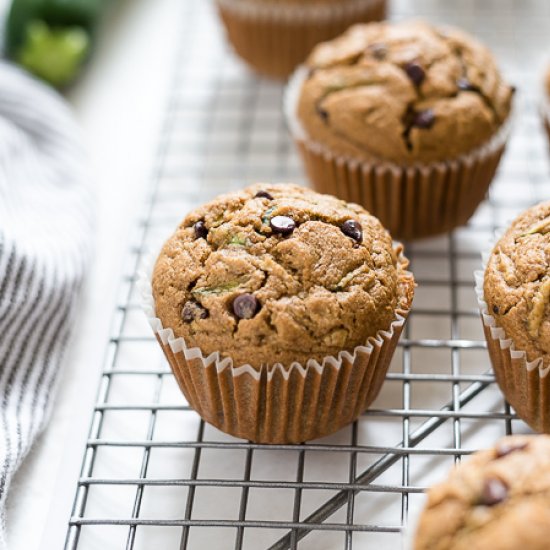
{"type": "Point", "coordinates": [513, 295]}
{"type": "Point", "coordinates": [274, 36]}
{"type": "Point", "coordinates": [407, 119]}
{"type": "Point", "coordinates": [499, 499]}
{"type": "Point", "coordinates": [278, 310]}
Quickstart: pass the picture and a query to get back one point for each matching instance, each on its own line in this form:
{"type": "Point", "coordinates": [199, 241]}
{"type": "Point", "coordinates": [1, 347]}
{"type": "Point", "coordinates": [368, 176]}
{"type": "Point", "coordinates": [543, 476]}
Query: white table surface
{"type": "Point", "coordinates": [119, 102]}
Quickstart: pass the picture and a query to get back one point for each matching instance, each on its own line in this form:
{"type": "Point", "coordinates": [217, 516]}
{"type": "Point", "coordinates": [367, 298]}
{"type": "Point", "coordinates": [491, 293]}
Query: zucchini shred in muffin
{"type": "Point", "coordinates": [514, 297]}
{"type": "Point", "coordinates": [297, 299]}
{"type": "Point", "coordinates": [404, 118]}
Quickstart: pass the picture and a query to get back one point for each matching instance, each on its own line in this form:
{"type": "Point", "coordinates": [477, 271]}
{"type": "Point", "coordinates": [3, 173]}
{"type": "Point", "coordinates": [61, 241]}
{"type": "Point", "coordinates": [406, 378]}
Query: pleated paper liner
{"type": "Point", "coordinates": [274, 38]}
{"type": "Point", "coordinates": [412, 202]}
{"type": "Point", "coordinates": [525, 384]}
{"type": "Point", "coordinates": [277, 404]}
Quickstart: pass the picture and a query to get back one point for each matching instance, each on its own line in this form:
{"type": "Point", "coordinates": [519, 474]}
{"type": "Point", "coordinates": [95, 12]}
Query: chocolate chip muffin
{"type": "Point", "coordinates": [277, 275]}
{"type": "Point", "coordinates": [274, 36]}
{"type": "Point", "coordinates": [397, 115]}
{"type": "Point", "coordinates": [399, 92]}
{"type": "Point", "coordinates": [514, 297]}
{"type": "Point", "coordinates": [499, 499]}
{"type": "Point", "coordinates": [302, 294]}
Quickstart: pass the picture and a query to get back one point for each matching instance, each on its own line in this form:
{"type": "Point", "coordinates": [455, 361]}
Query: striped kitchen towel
{"type": "Point", "coordinates": [46, 225]}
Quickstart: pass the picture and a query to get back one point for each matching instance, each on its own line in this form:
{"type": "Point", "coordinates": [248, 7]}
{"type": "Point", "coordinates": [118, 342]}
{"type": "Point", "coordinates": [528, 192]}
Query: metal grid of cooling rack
{"type": "Point", "coordinates": [155, 476]}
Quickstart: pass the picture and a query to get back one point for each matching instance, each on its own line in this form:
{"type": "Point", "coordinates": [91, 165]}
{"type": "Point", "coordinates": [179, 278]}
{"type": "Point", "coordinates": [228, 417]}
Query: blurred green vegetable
{"type": "Point", "coordinates": [52, 38]}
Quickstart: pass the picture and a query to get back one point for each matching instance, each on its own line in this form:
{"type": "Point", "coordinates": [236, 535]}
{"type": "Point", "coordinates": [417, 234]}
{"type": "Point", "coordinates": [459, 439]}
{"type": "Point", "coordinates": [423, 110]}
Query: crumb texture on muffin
{"type": "Point", "coordinates": [278, 273]}
{"type": "Point", "coordinates": [517, 283]}
{"type": "Point", "coordinates": [403, 92]}
{"type": "Point", "coordinates": [498, 499]}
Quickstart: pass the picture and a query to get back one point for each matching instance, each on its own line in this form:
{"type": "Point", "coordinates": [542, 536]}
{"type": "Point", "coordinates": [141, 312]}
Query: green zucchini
{"type": "Point", "coordinates": [52, 38]}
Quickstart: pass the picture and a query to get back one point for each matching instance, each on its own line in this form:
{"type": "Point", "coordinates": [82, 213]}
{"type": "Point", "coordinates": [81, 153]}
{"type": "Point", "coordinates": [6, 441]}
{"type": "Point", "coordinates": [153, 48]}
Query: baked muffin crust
{"type": "Point", "coordinates": [403, 92]}
{"type": "Point", "coordinates": [498, 499]}
{"type": "Point", "coordinates": [517, 283]}
{"type": "Point", "coordinates": [278, 273]}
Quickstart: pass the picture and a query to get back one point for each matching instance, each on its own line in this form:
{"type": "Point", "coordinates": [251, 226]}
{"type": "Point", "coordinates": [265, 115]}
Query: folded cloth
{"type": "Point", "coordinates": [46, 226]}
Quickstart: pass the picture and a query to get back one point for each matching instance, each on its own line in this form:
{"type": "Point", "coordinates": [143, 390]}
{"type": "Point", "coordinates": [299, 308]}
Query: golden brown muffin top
{"type": "Point", "coordinates": [279, 273]}
{"type": "Point", "coordinates": [403, 92]}
{"type": "Point", "coordinates": [498, 499]}
{"type": "Point", "coordinates": [517, 282]}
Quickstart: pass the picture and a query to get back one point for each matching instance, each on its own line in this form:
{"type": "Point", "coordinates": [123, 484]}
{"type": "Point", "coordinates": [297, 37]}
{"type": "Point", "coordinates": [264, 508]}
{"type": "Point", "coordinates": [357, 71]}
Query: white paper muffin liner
{"type": "Point", "coordinates": [525, 384]}
{"type": "Point", "coordinates": [413, 201]}
{"type": "Point", "coordinates": [274, 37]}
{"type": "Point", "coordinates": [276, 404]}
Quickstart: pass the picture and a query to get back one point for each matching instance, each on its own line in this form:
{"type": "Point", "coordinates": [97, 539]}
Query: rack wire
{"type": "Point", "coordinates": [154, 475]}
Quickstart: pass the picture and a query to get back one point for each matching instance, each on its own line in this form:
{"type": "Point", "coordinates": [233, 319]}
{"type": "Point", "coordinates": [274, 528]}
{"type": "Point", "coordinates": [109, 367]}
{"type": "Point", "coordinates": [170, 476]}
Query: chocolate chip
{"type": "Point", "coordinates": [245, 306]}
{"type": "Point", "coordinates": [263, 195]}
{"type": "Point", "coordinates": [322, 113]}
{"type": "Point", "coordinates": [415, 72]}
{"type": "Point", "coordinates": [378, 51]}
{"type": "Point", "coordinates": [200, 230]}
{"type": "Point", "coordinates": [494, 492]}
{"type": "Point", "coordinates": [192, 311]}
{"type": "Point", "coordinates": [424, 119]}
{"type": "Point", "coordinates": [465, 85]}
{"type": "Point", "coordinates": [495, 310]}
{"type": "Point", "coordinates": [352, 229]}
{"type": "Point", "coordinates": [504, 449]}
{"type": "Point", "coordinates": [282, 224]}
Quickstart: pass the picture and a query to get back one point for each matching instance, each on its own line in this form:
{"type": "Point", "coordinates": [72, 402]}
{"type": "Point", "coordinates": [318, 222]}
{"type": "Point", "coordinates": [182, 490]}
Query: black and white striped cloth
{"type": "Point", "coordinates": [46, 225]}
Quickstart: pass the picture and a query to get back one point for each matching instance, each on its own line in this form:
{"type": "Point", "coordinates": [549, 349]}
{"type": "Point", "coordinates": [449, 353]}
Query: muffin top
{"type": "Point", "coordinates": [279, 274]}
{"type": "Point", "coordinates": [402, 92]}
{"type": "Point", "coordinates": [499, 498]}
{"type": "Point", "coordinates": [517, 283]}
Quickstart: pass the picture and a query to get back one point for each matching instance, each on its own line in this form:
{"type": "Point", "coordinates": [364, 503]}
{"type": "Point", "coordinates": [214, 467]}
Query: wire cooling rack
{"type": "Point", "coordinates": [155, 476]}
